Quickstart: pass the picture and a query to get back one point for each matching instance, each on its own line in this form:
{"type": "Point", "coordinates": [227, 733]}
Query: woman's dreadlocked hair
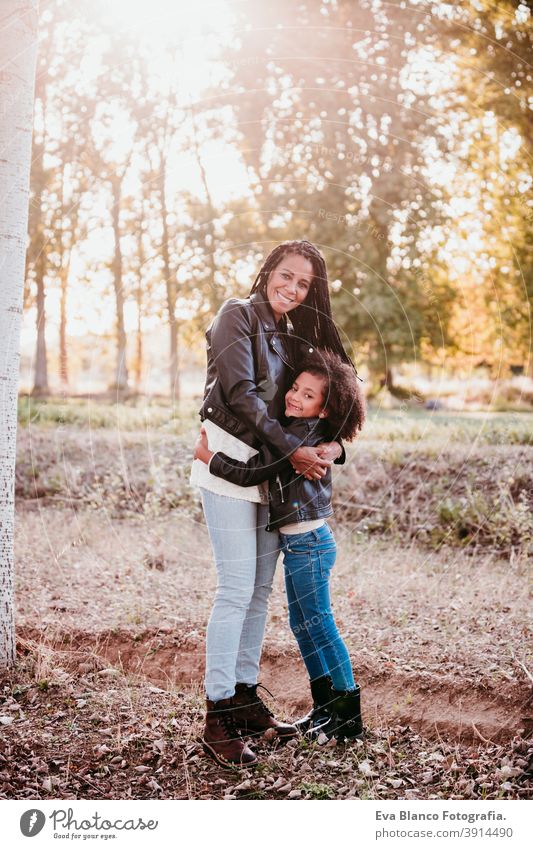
{"type": "Point", "coordinates": [312, 320]}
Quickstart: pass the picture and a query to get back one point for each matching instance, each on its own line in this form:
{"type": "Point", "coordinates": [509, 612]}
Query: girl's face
{"type": "Point", "coordinates": [305, 399]}
{"type": "Point", "coordinates": [289, 283]}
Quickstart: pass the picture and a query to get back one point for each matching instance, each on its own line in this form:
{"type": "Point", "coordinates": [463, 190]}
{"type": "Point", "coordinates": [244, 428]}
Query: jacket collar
{"type": "Point", "coordinates": [264, 311]}
{"type": "Point", "coordinates": [315, 423]}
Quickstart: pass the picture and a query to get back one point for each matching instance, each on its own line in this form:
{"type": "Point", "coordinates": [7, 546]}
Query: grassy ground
{"type": "Point", "coordinates": [115, 582]}
{"type": "Point", "coordinates": [409, 424]}
{"type": "Point", "coordinates": [456, 480]}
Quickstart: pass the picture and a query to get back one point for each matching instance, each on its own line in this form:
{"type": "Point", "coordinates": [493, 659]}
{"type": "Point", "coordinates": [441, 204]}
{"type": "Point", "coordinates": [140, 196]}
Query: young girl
{"type": "Point", "coordinates": [324, 402]}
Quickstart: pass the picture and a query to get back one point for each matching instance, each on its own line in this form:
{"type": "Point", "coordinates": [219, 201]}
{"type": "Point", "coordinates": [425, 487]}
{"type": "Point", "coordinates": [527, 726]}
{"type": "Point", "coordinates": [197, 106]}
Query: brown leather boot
{"type": "Point", "coordinates": [221, 740]}
{"type": "Point", "coordinates": [252, 715]}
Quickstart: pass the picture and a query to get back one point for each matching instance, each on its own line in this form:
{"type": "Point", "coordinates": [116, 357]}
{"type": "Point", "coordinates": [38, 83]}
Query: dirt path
{"type": "Point", "coordinates": [432, 638]}
{"type": "Point", "coordinates": [436, 706]}
{"type": "Point", "coordinates": [398, 608]}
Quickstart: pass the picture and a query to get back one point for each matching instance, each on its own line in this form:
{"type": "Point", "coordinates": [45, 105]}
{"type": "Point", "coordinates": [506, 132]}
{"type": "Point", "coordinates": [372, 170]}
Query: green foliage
{"type": "Point", "coordinates": [317, 790]}
{"type": "Point", "coordinates": [439, 430]}
{"type": "Point", "coordinates": [492, 46]}
{"type": "Point", "coordinates": [352, 175]}
{"type": "Point", "coordinates": [360, 124]}
{"type": "Point", "coordinates": [139, 413]}
{"type": "Point", "coordinates": [442, 480]}
{"type": "Point", "coordinates": [497, 520]}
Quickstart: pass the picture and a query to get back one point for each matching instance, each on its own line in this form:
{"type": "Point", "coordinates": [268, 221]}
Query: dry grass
{"type": "Point", "coordinates": [467, 495]}
{"type": "Point", "coordinates": [114, 586]}
{"type": "Point", "coordinates": [111, 618]}
{"type": "Point", "coordinates": [99, 734]}
{"type": "Point", "coordinates": [447, 610]}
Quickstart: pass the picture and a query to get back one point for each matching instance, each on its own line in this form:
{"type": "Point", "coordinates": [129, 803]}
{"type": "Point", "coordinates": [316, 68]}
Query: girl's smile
{"type": "Point", "coordinates": [305, 399]}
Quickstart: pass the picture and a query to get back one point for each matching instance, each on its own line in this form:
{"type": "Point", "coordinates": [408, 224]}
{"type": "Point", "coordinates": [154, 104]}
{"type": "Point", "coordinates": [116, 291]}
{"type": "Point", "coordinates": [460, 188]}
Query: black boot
{"type": "Point", "coordinates": [319, 717]}
{"type": "Point", "coordinates": [346, 709]}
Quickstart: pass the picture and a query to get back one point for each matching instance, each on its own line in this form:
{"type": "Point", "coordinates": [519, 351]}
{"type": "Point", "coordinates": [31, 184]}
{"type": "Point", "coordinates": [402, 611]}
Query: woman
{"type": "Point", "coordinates": [250, 353]}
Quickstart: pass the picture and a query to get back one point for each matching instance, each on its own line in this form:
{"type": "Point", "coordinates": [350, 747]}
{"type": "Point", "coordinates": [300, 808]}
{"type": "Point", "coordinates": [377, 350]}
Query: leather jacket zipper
{"type": "Point", "coordinates": [276, 345]}
{"type": "Point", "coordinates": [280, 488]}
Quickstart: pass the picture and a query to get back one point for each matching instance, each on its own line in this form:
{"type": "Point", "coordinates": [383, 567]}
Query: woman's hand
{"type": "Point", "coordinates": [308, 461]}
{"type": "Point", "coordinates": [201, 447]}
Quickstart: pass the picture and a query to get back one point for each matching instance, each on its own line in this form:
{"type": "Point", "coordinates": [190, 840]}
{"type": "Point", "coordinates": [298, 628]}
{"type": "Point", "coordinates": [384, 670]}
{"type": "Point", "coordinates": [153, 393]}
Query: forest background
{"type": "Point", "coordinates": [173, 149]}
{"type": "Point", "coordinates": [174, 144]}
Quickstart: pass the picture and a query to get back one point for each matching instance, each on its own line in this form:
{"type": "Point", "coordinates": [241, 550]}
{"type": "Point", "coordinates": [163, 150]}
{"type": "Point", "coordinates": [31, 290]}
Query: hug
{"type": "Point", "coordinates": [281, 393]}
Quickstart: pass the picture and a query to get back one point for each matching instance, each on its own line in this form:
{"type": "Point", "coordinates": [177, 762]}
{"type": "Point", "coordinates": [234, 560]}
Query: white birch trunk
{"type": "Point", "coordinates": [18, 52]}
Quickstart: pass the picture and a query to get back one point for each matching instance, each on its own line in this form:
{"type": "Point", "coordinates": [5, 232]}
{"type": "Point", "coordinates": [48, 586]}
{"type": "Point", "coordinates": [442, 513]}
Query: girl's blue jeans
{"type": "Point", "coordinates": [308, 561]}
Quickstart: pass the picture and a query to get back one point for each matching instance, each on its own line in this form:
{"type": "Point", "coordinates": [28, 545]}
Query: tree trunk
{"type": "Point", "coordinates": [138, 341]}
{"type": "Point", "coordinates": [121, 372]}
{"type": "Point", "coordinates": [175, 389]}
{"type": "Point", "coordinates": [40, 382]}
{"type": "Point", "coordinates": [40, 374]}
{"type": "Point", "coordinates": [216, 293]}
{"type": "Point", "coordinates": [138, 364]}
{"type": "Point", "coordinates": [171, 285]}
{"type": "Point", "coordinates": [138, 367]}
{"type": "Point", "coordinates": [65, 257]}
{"type": "Point", "coordinates": [18, 48]}
{"type": "Point", "coordinates": [63, 355]}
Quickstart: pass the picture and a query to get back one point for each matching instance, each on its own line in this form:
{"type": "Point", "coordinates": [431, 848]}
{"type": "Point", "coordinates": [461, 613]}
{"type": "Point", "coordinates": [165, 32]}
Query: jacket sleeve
{"type": "Point", "coordinates": [342, 459]}
{"type": "Point", "coordinates": [233, 355]}
{"type": "Point", "coordinates": [259, 468]}
{"type": "Point", "coordinates": [329, 436]}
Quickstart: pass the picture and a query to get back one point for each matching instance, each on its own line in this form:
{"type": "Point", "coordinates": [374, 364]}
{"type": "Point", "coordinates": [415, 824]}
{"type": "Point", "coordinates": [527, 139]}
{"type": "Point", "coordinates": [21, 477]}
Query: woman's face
{"type": "Point", "coordinates": [289, 283]}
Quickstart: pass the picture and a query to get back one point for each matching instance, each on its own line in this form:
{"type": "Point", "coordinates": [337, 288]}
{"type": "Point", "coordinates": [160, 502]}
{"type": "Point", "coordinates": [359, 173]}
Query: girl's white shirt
{"type": "Point", "coordinates": [302, 527]}
{"type": "Point", "coordinates": [219, 440]}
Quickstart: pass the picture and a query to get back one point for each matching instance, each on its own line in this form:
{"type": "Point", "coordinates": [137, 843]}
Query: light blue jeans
{"type": "Point", "coordinates": [245, 559]}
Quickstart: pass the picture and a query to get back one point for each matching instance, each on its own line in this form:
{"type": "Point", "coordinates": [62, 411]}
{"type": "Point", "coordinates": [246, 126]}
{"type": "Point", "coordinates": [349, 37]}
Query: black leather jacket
{"type": "Point", "coordinates": [249, 365]}
{"type": "Point", "coordinates": [291, 497]}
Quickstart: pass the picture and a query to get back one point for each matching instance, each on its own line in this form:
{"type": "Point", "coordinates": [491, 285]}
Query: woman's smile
{"type": "Point", "coordinates": [289, 284]}
{"type": "Point", "coordinates": [284, 297]}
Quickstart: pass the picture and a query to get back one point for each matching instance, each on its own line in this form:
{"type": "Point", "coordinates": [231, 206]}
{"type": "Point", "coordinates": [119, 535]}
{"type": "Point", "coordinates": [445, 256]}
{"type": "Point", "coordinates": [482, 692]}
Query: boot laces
{"type": "Point", "coordinates": [259, 703]}
{"type": "Point", "coordinates": [227, 721]}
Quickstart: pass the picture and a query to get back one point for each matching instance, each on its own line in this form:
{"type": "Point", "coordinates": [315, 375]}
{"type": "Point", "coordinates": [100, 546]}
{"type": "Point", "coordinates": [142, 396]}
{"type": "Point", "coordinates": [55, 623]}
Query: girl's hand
{"type": "Point", "coordinates": [201, 447]}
